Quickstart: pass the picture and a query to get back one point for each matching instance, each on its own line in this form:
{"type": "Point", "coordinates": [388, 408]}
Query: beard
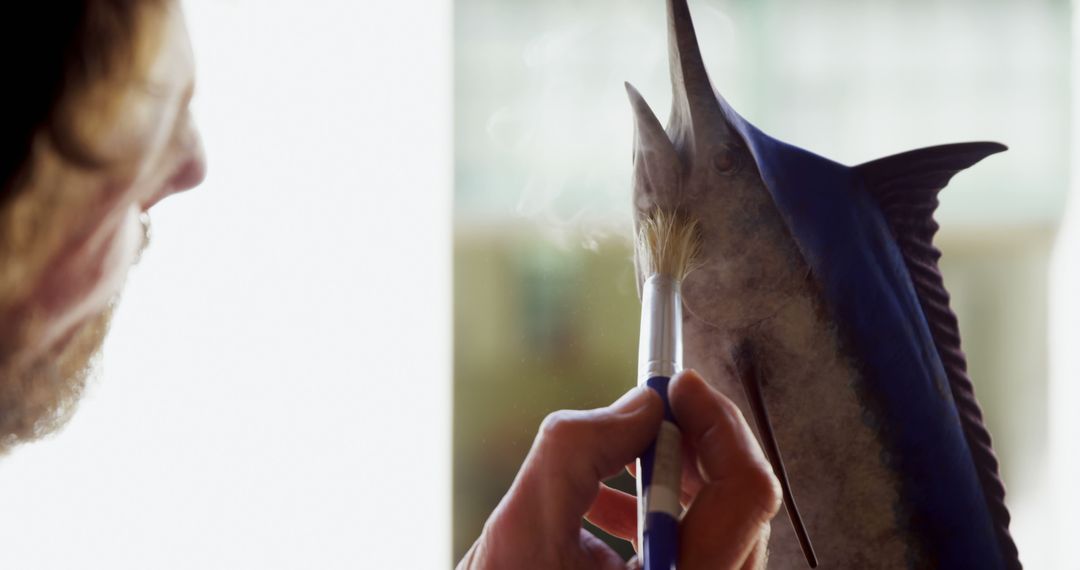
{"type": "Point", "coordinates": [39, 396]}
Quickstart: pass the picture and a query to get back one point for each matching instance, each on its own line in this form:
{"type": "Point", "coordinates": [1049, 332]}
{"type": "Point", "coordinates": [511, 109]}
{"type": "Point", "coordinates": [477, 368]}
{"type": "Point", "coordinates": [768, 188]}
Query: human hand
{"type": "Point", "coordinates": [728, 486]}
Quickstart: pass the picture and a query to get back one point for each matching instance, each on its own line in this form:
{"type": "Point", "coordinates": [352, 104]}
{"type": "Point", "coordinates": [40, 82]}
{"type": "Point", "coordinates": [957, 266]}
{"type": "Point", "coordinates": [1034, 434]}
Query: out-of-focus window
{"type": "Point", "coordinates": [545, 307]}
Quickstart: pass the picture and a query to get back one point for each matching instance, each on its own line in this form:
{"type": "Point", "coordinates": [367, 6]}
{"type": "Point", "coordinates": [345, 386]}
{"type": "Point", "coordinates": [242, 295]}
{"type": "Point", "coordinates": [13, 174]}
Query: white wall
{"type": "Point", "coordinates": [1063, 526]}
{"type": "Point", "coordinates": [276, 389]}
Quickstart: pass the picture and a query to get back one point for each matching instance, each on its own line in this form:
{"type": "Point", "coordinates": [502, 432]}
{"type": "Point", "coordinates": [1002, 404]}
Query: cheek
{"type": "Point", "coordinates": [118, 254]}
{"type": "Point", "coordinates": [749, 265]}
{"type": "Point", "coordinates": [90, 274]}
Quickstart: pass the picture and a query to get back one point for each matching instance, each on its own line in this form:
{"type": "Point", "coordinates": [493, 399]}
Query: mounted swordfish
{"type": "Point", "coordinates": [819, 309]}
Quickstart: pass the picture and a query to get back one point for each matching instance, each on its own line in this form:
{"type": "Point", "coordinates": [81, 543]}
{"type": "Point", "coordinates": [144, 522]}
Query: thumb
{"type": "Point", "coordinates": [574, 452]}
{"type": "Point", "coordinates": [727, 524]}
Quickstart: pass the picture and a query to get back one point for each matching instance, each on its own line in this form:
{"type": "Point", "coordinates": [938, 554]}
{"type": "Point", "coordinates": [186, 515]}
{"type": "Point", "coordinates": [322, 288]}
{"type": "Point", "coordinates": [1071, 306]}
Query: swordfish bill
{"type": "Point", "coordinates": [819, 309]}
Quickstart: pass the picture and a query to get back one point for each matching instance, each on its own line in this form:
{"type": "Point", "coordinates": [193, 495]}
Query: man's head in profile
{"type": "Point", "coordinates": [96, 131]}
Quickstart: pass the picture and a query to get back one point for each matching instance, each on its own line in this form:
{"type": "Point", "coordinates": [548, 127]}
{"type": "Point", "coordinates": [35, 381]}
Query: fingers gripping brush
{"type": "Point", "coordinates": [667, 246]}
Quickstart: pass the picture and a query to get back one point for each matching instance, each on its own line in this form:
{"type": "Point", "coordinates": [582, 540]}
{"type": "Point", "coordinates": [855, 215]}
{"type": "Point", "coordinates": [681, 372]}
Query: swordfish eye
{"type": "Point", "coordinates": [728, 159]}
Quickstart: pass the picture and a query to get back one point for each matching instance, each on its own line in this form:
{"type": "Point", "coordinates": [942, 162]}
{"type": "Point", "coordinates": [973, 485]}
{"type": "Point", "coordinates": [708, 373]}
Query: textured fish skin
{"type": "Point", "coordinates": [825, 277]}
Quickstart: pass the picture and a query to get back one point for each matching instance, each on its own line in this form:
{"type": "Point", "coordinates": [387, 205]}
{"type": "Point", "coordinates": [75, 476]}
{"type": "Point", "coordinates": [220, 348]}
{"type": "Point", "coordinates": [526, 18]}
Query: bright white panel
{"type": "Point", "coordinates": [276, 391]}
{"type": "Point", "coordinates": [1060, 531]}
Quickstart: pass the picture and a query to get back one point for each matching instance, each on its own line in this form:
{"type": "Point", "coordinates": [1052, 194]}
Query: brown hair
{"type": "Point", "coordinates": [69, 74]}
{"type": "Point", "coordinates": [64, 49]}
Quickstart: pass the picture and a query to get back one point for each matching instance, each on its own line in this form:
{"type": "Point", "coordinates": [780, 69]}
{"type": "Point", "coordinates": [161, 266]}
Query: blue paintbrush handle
{"type": "Point", "coordinates": [661, 478]}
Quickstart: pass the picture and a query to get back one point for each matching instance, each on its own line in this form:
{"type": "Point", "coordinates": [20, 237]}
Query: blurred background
{"type": "Point", "coordinates": [545, 309]}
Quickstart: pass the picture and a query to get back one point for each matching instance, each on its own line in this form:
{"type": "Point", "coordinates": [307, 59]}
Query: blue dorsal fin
{"type": "Point", "coordinates": [906, 187]}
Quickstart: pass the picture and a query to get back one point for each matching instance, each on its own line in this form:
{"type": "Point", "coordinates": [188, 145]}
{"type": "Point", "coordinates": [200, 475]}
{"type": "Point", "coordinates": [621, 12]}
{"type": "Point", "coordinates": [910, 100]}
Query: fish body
{"type": "Point", "coordinates": [822, 279]}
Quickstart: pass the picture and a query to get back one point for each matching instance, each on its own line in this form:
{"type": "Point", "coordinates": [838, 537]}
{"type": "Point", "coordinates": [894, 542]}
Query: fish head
{"type": "Point", "coordinates": [701, 167]}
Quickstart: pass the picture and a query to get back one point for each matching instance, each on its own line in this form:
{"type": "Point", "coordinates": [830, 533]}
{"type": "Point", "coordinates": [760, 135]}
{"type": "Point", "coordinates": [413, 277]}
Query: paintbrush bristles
{"type": "Point", "coordinates": [667, 244]}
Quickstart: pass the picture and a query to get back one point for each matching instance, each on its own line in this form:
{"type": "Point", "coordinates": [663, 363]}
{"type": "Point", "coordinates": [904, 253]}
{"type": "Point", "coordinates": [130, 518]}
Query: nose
{"type": "Point", "coordinates": [189, 171]}
{"type": "Point", "coordinates": [192, 171]}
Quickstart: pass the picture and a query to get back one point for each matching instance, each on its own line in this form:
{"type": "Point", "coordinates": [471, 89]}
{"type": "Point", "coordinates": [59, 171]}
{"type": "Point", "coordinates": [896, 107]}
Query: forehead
{"type": "Point", "coordinates": [172, 70]}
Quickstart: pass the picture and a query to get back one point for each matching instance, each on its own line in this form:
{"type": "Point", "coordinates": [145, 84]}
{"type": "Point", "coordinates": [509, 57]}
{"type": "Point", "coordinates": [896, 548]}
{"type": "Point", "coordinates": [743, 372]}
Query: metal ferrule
{"type": "Point", "coordinates": [660, 349]}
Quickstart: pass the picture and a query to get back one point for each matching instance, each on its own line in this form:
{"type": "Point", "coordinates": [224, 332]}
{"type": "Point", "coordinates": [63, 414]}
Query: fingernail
{"type": "Point", "coordinates": [633, 400]}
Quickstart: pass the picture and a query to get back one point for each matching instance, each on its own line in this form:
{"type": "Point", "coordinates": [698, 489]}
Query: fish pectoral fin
{"type": "Point", "coordinates": [750, 376]}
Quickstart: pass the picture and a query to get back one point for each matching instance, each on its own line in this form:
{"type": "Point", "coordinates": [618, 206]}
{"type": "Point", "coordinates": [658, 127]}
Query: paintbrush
{"type": "Point", "coordinates": [666, 249]}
